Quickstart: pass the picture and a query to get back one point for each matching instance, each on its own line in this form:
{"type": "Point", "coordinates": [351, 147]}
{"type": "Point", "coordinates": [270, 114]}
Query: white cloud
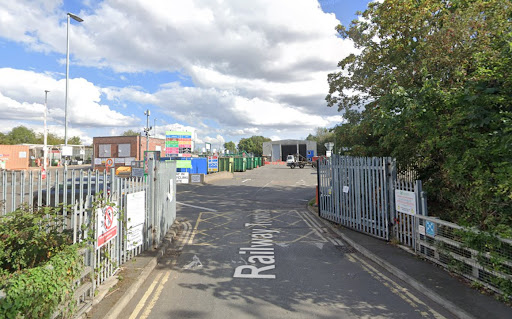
{"type": "Point", "coordinates": [22, 95]}
{"type": "Point", "coordinates": [258, 67]}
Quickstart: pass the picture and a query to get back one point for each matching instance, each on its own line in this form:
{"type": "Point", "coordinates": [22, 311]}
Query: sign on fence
{"type": "Point", "coordinates": [135, 213]}
{"type": "Point", "coordinates": [106, 226]}
{"type": "Point", "coordinates": [405, 202]}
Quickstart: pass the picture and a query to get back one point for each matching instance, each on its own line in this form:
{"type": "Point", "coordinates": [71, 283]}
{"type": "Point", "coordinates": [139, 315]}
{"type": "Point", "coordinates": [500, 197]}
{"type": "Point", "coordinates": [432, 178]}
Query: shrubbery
{"type": "Point", "coordinates": [431, 86]}
{"type": "Point", "coordinates": [38, 264]}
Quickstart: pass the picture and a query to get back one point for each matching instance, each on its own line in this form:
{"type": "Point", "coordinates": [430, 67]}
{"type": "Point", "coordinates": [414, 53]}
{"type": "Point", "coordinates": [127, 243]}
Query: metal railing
{"type": "Point", "coordinates": [79, 193]}
{"type": "Point", "coordinates": [355, 192]}
{"type": "Point", "coordinates": [360, 193]}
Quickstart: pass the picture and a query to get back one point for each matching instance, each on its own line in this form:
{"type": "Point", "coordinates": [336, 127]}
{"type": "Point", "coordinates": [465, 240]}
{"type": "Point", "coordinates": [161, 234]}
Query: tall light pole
{"type": "Point", "coordinates": [45, 132]}
{"type": "Point", "coordinates": [76, 18]}
{"type": "Point", "coordinates": [147, 128]}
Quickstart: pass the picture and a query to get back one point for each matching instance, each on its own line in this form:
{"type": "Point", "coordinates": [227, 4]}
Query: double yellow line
{"type": "Point", "coordinates": [395, 288]}
{"type": "Point", "coordinates": [161, 279]}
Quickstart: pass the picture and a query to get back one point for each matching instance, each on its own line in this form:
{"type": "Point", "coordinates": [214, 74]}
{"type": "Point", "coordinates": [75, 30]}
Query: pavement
{"type": "Point", "coordinates": [451, 292]}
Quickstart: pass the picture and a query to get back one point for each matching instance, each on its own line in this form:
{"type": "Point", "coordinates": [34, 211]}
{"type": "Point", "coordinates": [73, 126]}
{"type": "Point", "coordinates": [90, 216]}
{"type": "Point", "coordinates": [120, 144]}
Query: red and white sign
{"type": "Point", "coordinates": [106, 224]}
{"type": "Point", "coordinates": [109, 162]}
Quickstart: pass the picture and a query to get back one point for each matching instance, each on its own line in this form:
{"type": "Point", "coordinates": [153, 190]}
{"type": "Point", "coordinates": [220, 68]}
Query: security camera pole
{"type": "Point", "coordinates": [147, 129]}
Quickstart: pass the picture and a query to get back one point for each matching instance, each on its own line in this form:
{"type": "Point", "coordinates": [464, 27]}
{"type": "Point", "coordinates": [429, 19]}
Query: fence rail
{"type": "Point", "coordinates": [79, 193]}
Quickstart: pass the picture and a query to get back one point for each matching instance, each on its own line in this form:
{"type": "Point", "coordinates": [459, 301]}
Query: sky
{"type": "Point", "coordinates": [225, 69]}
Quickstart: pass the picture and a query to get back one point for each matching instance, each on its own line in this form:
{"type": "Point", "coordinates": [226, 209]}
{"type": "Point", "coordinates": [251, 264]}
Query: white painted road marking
{"type": "Point", "coordinates": [199, 207]}
{"type": "Point", "coordinates": [246, 180]}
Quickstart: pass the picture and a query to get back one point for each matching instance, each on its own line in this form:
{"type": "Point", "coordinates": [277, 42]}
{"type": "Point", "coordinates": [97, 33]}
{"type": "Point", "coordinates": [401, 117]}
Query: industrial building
{"type": "Point", "coordinates": [279, 150]}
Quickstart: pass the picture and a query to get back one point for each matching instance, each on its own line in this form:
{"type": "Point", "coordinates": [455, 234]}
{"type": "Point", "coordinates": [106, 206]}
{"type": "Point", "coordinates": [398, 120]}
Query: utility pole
{"type": "Point", "coordinates": [147, 128]}
{"type": "Point", "coordinates": [154, 125]}
{"type": "Point", "coordinates": [45, 132]}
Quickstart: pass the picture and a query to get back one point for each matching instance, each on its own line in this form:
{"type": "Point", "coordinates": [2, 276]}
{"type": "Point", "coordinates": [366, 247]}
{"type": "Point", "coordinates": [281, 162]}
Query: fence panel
{"type": "Point", "coordinates": [483, 259]}
{"type": "Point", "coordinates": [354, 192]}
{"type": "Point", "coordinates": [77, 191]}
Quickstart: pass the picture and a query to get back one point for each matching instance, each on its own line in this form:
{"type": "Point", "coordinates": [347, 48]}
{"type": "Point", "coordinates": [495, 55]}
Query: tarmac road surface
{"type": "Point", "coordinates": [249, 248]}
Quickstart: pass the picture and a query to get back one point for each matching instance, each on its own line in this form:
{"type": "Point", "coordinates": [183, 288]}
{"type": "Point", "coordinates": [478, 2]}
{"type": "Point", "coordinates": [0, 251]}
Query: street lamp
{"type": "Point", "coordinates": [45, 133]}
{"type": "Point", "coordinates": [76, 18]}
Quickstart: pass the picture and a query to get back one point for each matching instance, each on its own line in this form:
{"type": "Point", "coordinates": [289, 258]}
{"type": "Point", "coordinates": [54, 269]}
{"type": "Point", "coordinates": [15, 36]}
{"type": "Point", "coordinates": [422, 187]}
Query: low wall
{"type": "Point", "coordinates": [217, 176]}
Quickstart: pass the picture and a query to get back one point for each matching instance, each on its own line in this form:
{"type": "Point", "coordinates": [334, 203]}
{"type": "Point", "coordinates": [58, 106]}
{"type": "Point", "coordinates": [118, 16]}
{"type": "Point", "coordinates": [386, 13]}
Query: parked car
{"type": "Point", "coordinates": [103, 187]}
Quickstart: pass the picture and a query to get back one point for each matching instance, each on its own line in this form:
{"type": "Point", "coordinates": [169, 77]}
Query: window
{"type": "Point", "coordinates": [104, 150]}
{"type": "Point", "coordinates": [123, 150]}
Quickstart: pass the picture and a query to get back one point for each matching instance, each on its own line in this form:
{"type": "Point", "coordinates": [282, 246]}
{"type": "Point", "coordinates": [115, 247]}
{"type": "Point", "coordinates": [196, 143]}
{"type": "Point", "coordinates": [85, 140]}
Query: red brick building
{"type": "Point", "coordinates": [123, 149]}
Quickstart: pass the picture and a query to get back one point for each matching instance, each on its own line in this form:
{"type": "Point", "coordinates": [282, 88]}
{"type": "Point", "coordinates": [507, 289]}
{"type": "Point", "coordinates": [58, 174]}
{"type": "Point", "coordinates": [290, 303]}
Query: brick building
{"type": "Point", "coordinates": [123, 149]}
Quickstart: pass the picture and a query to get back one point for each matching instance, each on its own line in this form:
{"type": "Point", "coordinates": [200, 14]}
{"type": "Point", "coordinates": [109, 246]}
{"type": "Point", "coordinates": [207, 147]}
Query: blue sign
{"type": "Point", "coordinates": [430, 229]}
{"type": "Point", "coordinates": [213, 164]}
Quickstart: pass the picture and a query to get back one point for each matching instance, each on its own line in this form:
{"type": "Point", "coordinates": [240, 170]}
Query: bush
{"type": "Point", "coordinates": [38, 264]}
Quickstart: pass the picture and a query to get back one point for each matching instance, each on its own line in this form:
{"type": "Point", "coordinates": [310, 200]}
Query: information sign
{"type": "Point", "coordinates": [135, 212]}
{"type": "Point", "coordinates": [405, 202]}
{"type": "Point", "coordinates": [181, 178]}
{"type": "Point", "coordinates": [213, 164]}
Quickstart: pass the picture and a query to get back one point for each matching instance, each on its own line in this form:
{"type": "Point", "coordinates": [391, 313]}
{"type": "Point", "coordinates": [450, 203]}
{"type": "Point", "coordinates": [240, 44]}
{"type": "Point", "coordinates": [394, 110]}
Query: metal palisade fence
{"type": "Point", "coordinates": [355, 192]}
{"type": "Point", "coordinates": [137, 211]}
{"type": "Point", "coordinates": [368, 195]}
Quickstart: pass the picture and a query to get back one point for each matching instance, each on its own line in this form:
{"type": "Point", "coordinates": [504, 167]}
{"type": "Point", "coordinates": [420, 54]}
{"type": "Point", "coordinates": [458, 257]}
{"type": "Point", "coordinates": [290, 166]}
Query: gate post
{"type": "Point", "coordinates": [391, 178]}
{"type": "Point", "coordinates": [318, 161]}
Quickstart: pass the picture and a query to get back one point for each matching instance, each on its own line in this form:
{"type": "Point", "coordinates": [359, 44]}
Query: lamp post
{"type": "Point", "coordinates": [45, 132]}
{"type": "Point", "coordinates": [78, 19]}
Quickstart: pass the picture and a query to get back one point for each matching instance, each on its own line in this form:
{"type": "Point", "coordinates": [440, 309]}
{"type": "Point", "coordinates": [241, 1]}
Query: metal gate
{"type": "Point", "coordinates": [357, 192]}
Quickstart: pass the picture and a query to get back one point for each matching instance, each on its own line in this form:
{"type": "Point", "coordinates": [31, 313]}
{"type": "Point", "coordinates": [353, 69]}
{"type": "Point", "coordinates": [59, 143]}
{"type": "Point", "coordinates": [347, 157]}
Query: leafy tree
{"type": "Point", "coordinates": [130, 133]}
{"type": "Point", "coordinates": [51, 139]}
{"type": "Point", "coordinates": [21, 135]}
{"type": "Point", "coordinates": [323, 135]}
{"type": "Point", "coordinates": [253, 144]}
{"type": "Point", "coordinates": [433, 82]}
{"type": "Point", "coordinates": [75, 140]}
{"type": "Point", "coordinates": [230, 146]}
{"type": "Point", "coordinates": [4, 139]}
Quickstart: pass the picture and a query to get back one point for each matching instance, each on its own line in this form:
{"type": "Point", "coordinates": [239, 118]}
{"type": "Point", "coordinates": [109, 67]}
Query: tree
{"type": "Point", "coordinates": [323, 135]}
{"type": "Point", "coordinates": [51, 139]}
{"type": "Point", "coordinates": [434, 86]}
{"type": "Point", "coordinates": [230, 146]}
{"type": "Point", "coordinates": [254, 144]}
{"type": "Point", "coordinates": [75, 140]}
{"type": "Point", "coordinates": [130, 133]}
{"type": "Point", "coordinates": [21, 135]}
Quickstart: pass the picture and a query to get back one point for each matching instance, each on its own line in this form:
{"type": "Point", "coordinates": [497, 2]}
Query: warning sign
{"type": "Point", "coordinates": [106, 224]}
{"type": "Point", "coordinates": [109, 162]}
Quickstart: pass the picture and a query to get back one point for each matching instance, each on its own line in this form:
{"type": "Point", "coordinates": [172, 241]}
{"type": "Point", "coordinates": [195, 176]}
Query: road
{"type": "Point", "coordinates": [250, 248]}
